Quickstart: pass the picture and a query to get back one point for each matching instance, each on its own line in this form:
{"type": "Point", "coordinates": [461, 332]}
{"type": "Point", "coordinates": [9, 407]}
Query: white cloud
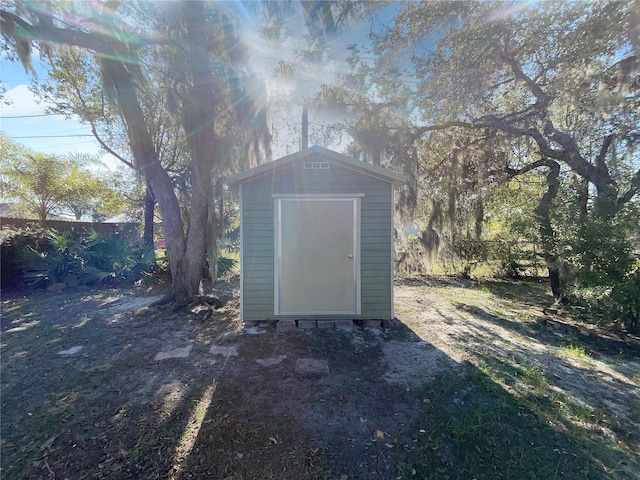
{"type": "Point", "coordinates": [111, 162]}
{"type": "Point", "coordinates": [22, 102]}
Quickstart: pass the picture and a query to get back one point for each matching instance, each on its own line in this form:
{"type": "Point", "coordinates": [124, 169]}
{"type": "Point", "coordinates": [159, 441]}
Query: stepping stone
{"type": "Point", "coordinates": [225, 351]}
{"type": "Point", "coordinates": [269, 362]}
{"type": "Point", "coordinates": [71, 351]}
{"type": "Point", "coordinates": [182, 352]}
{"type": "Point", "coordinates": [309, 367]}
{"type": "Point", "coordinates": [253, 331]}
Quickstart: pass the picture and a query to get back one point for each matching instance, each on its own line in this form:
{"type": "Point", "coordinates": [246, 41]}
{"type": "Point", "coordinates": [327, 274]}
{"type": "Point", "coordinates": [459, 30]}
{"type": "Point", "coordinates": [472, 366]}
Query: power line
{"type": "Point", "coordinates": [32, 116]}
{"type": "Point", "coordinates": [65, 145]}
{"type": "Point", "coordinates": [55, 136]}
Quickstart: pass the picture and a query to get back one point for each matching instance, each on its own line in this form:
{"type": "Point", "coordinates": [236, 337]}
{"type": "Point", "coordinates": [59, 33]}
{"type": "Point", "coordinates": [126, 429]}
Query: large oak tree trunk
{"type": "Point", "coordinates": [198, 116]}
{"type": "Point", "coordinates": [148, 163]}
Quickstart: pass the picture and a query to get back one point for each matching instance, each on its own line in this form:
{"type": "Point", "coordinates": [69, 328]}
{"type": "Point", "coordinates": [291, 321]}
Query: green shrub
{"type": "Point", "coordinates": [600, 254]}
{"type": "Point", "coordinates": [12, 242]}
{"type": "Point", "coordinates": [624, 306]}
{"type": "Point", "coordinates": [603, 274]}
{"type": "Point", "coordinates": [53, 261]}
{"type": "Point", "coordinates": [90, 260]}
{"type": "Point", "coordinates": [617, 304]}
{"type": "Point", "coordinates": [113, 259]}
{"type": "Point", "coordinates": [226, 265]}
{"type": "Point", "coordinates": [470, 252]}
{"type": "Point", "coordinates": [508, 259]}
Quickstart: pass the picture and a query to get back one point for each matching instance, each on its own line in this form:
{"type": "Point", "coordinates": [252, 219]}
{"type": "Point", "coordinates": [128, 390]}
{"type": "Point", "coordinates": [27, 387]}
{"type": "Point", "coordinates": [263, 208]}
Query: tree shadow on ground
{"type": "Point", "coordinates": [570, 379]}
{"type": "Point", "coordinates": [459, 424]}
{"type": "Point", "coordinates": [113, 411]}
{"type": "Point", "coordinates": [552, 325]}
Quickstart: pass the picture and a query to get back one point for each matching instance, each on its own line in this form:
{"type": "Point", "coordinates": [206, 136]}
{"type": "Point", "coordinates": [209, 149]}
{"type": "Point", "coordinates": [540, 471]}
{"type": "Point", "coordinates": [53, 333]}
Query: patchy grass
{"type": "Point", "coordinates": [473, 428]}
{"type": "Point", "coordinates": [533, 375]}
{"type": "Point", "coordinates": [573, 351]}
{"type": "Point", "coordinates": [522, 391]}
{"type": "Point", "coordinates": [562, 391]}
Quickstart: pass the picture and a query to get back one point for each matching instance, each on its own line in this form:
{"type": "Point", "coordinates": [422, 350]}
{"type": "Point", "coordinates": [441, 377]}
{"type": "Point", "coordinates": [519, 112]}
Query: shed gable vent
{"type": "Point", "coordinates": [316, 165]}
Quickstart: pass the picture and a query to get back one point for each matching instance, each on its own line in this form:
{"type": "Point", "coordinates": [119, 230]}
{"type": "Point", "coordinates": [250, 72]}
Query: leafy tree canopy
{"type": "Point", "coordinates": [563, 76]}
{"type": "Point", "coordinates": [45, 184]}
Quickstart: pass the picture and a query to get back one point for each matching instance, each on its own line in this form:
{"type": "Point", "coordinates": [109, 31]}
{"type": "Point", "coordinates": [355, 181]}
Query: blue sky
{"type": "Point", "coordinates": [25, 121]}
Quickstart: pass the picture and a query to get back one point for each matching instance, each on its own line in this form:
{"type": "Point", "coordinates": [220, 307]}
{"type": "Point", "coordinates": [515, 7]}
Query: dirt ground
{"type": "Point", "coordinates": [104, 385]}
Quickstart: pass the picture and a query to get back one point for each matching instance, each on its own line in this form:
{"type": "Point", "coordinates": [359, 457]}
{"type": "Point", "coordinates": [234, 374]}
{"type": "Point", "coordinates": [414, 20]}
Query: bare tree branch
{"type": "Point", "coordinates": [101, 43]}
{"type": "Point", "coordinates": [545, 162]}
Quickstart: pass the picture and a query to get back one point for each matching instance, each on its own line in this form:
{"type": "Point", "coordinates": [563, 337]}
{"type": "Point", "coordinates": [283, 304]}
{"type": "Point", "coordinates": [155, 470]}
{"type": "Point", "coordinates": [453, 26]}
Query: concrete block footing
{"type": "Point", "coordinates": [389, 323]}
{"type": "Point", "coordinates": [344, 324]}
{"type": "Point", "coordinates": [307, 324]}
{"type": "Point", "coordinates": [372, 323]}
{"type": "Point", "coordinates": [326, 323]}
{"type": "Point", "coordinates": [285, 325]}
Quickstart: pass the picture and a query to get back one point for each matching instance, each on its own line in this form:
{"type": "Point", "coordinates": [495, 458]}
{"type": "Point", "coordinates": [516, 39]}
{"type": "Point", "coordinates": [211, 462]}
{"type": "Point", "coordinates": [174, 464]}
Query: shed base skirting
{"type": "Point", "coordinates": [286, 325]}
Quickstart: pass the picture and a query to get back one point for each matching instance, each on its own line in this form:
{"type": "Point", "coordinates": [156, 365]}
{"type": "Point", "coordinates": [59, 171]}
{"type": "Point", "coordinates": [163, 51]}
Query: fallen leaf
{"type": "Point", "coordinates": [477, 448]}
{"type": "Point", "coordinates": [379, 434]}
{"type": "Point", "coordinates": [273, 440]}
{"type": "Point", "coordinates": [388, 445]}
{"type": "Point", "coordinates": [362, 419]}
{"type": "Point", "coordinates": [48, 443]}
{"type": "Point", "coordinates": [344, 477]}
{"type": "Point", "coordinates": [239, 455]}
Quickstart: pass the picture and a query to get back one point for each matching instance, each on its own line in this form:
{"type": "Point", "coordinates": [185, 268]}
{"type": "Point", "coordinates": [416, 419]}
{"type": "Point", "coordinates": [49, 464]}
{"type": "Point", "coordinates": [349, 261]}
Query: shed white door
{"type": "Point", "coordinates": [317, 256]}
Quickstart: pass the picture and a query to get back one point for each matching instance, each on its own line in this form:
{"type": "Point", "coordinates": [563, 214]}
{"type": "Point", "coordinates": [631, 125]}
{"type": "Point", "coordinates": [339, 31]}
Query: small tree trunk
{"type": "Point", "coordinates": [547, 233]}
{"type": "Point", "coordinates": [192, 264]}
{"type": "Point", "coordinates": [554, 281]}
{"type": "Point", "coordinates": [149, 206]}
{"type": "Point", "coordinates": [582, 189]}
{"type": "Point", "coordinates": [42, 212]}
{"type": "Point", "coordinates": [212, 245]}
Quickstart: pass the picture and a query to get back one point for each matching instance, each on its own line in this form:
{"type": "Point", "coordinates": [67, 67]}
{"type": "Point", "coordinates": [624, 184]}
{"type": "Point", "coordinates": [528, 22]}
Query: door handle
{"type": "Point", "coordinates": [350, 255]}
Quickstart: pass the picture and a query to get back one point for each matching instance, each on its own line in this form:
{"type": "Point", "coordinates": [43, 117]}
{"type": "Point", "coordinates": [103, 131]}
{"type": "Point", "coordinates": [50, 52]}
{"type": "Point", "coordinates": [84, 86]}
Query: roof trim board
{"type": "Point", "coordinates": [338, 158]}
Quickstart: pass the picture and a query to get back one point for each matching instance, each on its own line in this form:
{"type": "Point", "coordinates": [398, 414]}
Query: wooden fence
{"type": "Point", "coordinates": [129, 230]}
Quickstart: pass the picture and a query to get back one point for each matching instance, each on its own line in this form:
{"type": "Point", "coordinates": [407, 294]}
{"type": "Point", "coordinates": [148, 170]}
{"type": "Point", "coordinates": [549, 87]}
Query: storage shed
{"type": "Point", "coordinates": [316, 238]}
